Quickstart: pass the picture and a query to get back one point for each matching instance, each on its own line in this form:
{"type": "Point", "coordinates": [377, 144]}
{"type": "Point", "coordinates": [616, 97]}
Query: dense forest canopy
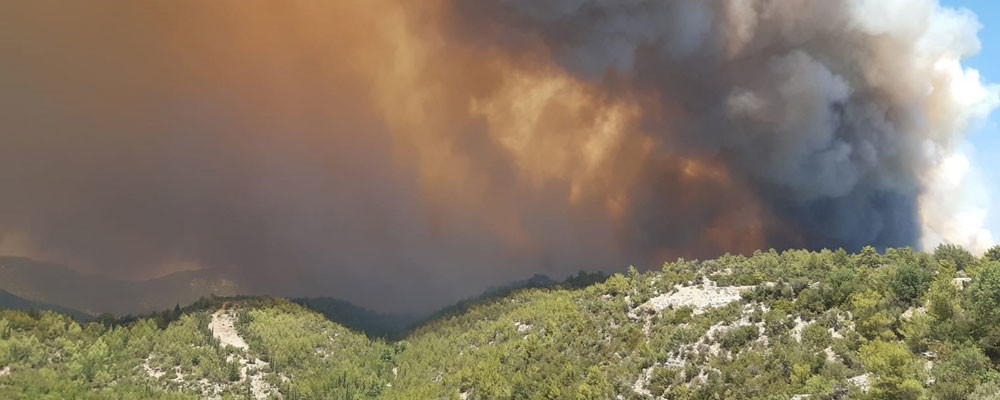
{"type": "Point", "coordinates": [828, 324]}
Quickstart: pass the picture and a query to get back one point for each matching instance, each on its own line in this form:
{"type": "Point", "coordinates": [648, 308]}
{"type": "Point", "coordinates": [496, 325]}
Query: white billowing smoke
{"type": "Point", "coordinates": [954, 205]}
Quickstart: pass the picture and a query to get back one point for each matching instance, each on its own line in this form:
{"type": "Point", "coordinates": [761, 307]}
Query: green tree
{"type": "Point", "coordinates": [869, 257]}
{"type": "Point", "coordinates": [955, 254]}
{"type": "Point", "coordinates": [873, 320]}
{"type": "Point", "coordinates": [958, 371]}
{"type": "Point", "coordinates": [984, 298]}
{"type": "Point", "coordinates": [895, 370]}
{"type": "Point", "coordinates": [993, 254]}
{"type": "Point", "coordinates": [910, 282]}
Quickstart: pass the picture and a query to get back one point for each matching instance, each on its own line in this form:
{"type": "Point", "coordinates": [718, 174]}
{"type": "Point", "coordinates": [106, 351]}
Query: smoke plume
{"type": "Point", "coordinates": [403, 154]}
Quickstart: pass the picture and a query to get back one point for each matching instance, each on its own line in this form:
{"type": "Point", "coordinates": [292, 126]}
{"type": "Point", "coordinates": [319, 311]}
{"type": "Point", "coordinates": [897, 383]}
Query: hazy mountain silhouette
{"type": "Point", "coordinates": [94, 294]}
{"type": "Point", "coordinates": [10, 301]}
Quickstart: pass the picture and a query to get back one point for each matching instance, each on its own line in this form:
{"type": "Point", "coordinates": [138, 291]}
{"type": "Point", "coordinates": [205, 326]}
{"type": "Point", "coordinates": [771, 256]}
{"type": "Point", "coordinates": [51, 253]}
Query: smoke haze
{"type": "Point", "coordinates": [404, 154]}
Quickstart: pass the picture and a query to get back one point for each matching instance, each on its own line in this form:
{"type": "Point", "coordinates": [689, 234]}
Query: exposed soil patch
{"type": "Point", "coordinates": [223, 328]}
{"type": "Point", "coordinates": [150, 371]}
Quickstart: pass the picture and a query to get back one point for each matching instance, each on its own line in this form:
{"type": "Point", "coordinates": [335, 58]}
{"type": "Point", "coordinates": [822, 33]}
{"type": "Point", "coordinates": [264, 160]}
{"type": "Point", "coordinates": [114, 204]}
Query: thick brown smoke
{"type": "Point", "coordinates": [403, 154]}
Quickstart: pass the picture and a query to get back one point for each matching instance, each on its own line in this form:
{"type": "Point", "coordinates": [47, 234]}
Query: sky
{"type": "Point", "coordinates": [985, 139]}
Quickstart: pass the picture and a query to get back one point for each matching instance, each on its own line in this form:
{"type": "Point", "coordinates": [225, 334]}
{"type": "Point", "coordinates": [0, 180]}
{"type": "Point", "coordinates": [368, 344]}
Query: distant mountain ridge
{"type": "Point", "coordinates": [12, 302]}
{"type": "Point", "coordinates": [396, 326]}
{"type": "Point", "coordinates": [360, 319]}
{"type": "Point", "coordinates": [94, 294]}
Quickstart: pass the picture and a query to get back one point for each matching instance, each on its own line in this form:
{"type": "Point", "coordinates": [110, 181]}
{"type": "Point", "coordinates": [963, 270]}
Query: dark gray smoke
{"type": "Point", "coordinates": [828, 109]}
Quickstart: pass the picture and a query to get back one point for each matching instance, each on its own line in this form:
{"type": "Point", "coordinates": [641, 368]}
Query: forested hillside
{"type": "Point", "coordinates": [789, 325]}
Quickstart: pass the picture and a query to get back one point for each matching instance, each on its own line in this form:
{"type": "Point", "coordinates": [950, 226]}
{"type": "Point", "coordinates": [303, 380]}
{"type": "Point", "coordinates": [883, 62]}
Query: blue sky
{"type": "Point", "coordinates": [986, 139]}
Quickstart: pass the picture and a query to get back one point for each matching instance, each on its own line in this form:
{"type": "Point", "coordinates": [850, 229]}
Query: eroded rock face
{"type": "Point", "coordinates": [862, 381]}
{"type": "Point", "coordinates": [961, 282]}
{"type": "Point", "coordinates": [701, 298]}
